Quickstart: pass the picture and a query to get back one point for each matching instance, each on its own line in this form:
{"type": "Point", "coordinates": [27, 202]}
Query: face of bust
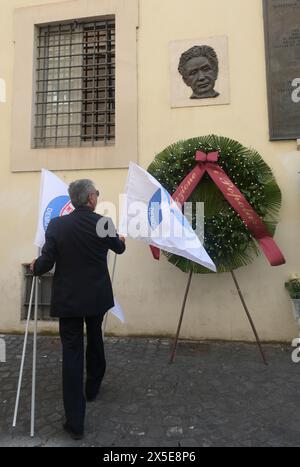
{"type": "Point", "coordinates": [201, 77]}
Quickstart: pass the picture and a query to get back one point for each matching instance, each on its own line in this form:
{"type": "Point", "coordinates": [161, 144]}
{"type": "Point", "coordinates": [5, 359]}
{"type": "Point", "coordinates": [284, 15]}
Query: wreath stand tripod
{"type": "Point", "coordinates": [244, 306]}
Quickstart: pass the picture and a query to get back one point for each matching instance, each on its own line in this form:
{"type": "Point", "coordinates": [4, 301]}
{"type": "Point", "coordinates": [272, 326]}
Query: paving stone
{"type": "Point", "coordinates": [216, 394]}
{"type": "Point", "coordinates": [174, 431]}
{"type": "Point", "coordinates": [188, 443]}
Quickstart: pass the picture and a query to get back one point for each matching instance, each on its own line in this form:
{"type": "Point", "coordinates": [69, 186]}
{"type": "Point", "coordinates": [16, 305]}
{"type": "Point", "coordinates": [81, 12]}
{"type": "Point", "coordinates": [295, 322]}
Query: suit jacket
{"type": "Point", "coordinates": [81, 283]}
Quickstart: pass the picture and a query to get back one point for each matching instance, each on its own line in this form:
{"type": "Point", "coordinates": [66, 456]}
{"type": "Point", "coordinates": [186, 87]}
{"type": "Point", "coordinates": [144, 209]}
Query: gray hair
{"type": "Point", "coordinates": [80, 190]}
{"type": "Point", "coordinates": [199, 51]}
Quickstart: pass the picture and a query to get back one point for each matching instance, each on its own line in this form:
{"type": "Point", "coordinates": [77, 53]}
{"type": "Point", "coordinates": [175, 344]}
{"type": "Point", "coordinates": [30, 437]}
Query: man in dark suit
{"type": "Point", "coordinates": [78, 244]}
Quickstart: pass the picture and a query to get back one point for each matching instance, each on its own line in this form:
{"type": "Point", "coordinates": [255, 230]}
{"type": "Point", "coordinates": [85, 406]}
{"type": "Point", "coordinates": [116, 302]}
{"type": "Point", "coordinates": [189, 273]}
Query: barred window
{"type": "Point", "coordinates": [75, 92]}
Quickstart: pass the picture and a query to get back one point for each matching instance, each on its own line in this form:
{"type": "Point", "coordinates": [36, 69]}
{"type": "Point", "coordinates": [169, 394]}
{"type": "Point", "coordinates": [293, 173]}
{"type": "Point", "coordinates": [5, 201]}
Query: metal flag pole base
{"type": "Point", "coordinates": [181, 318]}
{"type": "Point", "coordinates": [249, 317]}
{"type": "Point", "coordinates": [34, 280]}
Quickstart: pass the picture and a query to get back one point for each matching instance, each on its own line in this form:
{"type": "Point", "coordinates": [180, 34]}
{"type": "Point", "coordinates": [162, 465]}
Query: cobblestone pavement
{"type": "Point", "coordinates": [215, 394]}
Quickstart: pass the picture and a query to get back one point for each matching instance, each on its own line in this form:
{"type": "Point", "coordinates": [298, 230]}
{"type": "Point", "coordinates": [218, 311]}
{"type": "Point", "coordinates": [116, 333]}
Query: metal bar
{"type": "Point", "coordinates": [59, 61]}
{"type": "Point", "coordinates": [74, 43]}
{"type": "Point", "coordinates": [32, 420]}
{"type": "Point", "coordinates": [71, 124]}
{"type": "Point", "coordinates": [249, 317]}
{"type": "Point", "coordinates": [99, 144]}
{"type": "Point", "coordinates": [99, 88]}
{"type": "Point", "coordinates": [181, 317]}
{"type": "Point", "coordinates": [77, 112]}
{"type": "Point", "coordinates": [93, 103]}
{"type": "Point", "coordinates": [54, 33]}
{"type": "Point", "coordinates": [74, 100]}
{"type": "Point", "coordinates": [82, 83]}
{"type": "Point", "coordinates": [23, 353]}
{"type": "Point", "coordinates": [46, 84]}
{"type": "Point", "coordinates": [63, 137]}
{"type": "Point", "coordinates": [83, 118]}
{"type": "Point", "coordinates": [75, 78]}
{"type": "Point", "coordinates": [53, 57]}
{"type": "Point", "coordinates": [70, 70]}
{"type": "Point", "coordinates": [103, 65]}
{"type": "Point", "coordinates": [111, 89]}
{"type": "Point", "coordinates": [106, 93]}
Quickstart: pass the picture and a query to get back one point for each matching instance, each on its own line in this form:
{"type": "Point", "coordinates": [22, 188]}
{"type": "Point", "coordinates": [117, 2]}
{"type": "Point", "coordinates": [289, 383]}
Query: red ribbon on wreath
{"type": "Point", "coordinates": [208, 163]}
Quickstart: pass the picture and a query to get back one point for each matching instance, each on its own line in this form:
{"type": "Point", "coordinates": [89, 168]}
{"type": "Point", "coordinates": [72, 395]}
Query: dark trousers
{"type": "Point", "coordinates": [71, 334]}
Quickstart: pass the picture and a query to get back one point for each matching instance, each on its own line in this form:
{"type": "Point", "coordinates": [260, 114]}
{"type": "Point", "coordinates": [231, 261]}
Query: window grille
{"type": "Point", "coordinates": [75, 96]}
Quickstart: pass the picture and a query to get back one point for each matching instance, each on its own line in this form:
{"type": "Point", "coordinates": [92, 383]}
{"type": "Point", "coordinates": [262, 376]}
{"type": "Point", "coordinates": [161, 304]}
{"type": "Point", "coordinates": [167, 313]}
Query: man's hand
{"type": "Point", "coordinates": [32, 265]}
{"type": "Point", "coordinates": [122, 238]}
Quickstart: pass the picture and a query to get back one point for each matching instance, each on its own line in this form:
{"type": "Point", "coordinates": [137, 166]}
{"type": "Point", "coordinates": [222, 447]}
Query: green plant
{"type": "Point", "coordinates": [293, 286]}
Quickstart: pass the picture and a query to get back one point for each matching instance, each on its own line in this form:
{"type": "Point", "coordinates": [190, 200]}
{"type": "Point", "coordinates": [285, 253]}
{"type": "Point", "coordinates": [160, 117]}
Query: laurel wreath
{"type": "Point", "coordinates": [226, 238]}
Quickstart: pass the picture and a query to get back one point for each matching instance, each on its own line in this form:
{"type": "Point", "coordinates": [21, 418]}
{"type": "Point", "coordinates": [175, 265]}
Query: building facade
{"type": "Point", "coordinates": [39, 131]}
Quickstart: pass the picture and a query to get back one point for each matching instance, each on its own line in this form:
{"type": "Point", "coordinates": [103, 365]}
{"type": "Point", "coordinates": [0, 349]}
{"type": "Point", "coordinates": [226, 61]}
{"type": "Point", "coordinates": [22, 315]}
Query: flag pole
{"type": "Point", "coordinates": [114, 269]}
{"type": "Point", "coordinates": [33, 385]}
{"type": "Point", "coordinates": [112, 282]}
{"type": "Point", "coordinates": [181, 317]}
{"type": "Point", "coordinates": [249, 317]}
{"type": "Point", "coordinates": [34, 280]}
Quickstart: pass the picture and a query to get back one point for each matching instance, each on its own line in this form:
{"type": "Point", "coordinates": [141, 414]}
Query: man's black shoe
{"type": "Point", "coordinates": [72, 433]}
{"type": "Point", "coordinates": [91, 396]}
{"type": "Point", "coordinates": [91, 391]}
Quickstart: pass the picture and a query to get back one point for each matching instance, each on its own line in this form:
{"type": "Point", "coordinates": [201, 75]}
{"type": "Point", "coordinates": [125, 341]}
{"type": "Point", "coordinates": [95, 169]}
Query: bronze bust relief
{"type": "Point", "coordinates": [199, 68]}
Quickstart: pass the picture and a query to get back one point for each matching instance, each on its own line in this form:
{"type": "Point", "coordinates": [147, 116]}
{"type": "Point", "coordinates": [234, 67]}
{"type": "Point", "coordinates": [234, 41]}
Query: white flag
{"type": "Point", "coordinates": [54, 202]}
{"type": "Point", "coordinates": [118, 312]}
{"type": "Point", "coordinates": [151, 215]}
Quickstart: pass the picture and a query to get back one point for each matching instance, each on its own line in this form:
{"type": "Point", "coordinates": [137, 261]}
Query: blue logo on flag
{"type": "Point", "coordinates": [154, 210]}
{"type": "Point", "coordinates": [57, 207]}
{"type": "Point", "coordinates": [155, 216]}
